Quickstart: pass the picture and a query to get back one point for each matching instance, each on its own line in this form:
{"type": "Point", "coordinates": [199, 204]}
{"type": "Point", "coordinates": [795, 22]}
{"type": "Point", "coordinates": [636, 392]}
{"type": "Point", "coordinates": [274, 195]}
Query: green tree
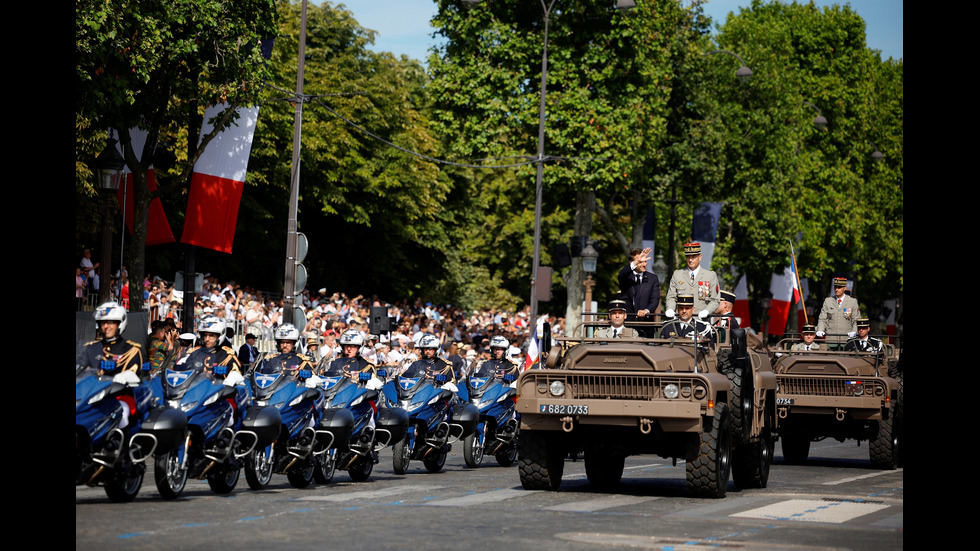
{"type": "Point", "coordinates": [755, 148]}
{"type": "Point", "coordinates": [608, 84]}
{"type": "Point", "coordinates": [156, 65]}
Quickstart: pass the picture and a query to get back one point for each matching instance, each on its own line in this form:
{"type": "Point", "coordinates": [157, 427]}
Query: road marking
{"type": "Point", "coordinates": [853, 478]}
{"type": "Point", "coordinates": [372, 494]}
{"type": "Point", "coordinates": [812, 510]}
{"type": "Point", "coordinates": [481, 498]}
{"type": "Point", "coordinates": [607, 502]}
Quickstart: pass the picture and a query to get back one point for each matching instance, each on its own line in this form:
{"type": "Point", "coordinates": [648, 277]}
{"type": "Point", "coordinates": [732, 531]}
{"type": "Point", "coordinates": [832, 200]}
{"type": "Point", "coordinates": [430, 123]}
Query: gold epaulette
{"type": "Point", "coordinates": [137, 345]}
{"type": "Point", "coordinates": [92, 342]}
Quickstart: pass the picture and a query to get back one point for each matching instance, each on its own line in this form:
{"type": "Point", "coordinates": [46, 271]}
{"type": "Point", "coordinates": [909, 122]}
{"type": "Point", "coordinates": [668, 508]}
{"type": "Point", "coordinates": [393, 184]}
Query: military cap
{"type": "Point", "coordinates": [728, 296]}
{"type": "Point", "coordinates": [617, 304]}
{"type": "Point", "coordinates": [808, 328]}
{"type": "Point", "coordinates": [685, 300]}
{"type": "Point", "coordinates": [692, 248]}
{"type": "Point", "coordinates": [863, 322]}
{"type": "Point", "coordinates": [840, 282]}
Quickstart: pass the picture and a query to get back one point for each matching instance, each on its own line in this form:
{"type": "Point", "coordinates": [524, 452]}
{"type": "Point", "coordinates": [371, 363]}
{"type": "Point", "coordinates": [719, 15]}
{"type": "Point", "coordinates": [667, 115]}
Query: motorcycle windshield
{"type": "Point", "coordinates": [478, 385]}
{"type": "Point", "coordinates": [267, 378]}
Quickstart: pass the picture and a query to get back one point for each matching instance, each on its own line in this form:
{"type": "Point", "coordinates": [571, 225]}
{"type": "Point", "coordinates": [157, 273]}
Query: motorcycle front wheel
{"type": "Point", "coordinates": [434, 463]}
{"type": "Point", "coordinates": [361, 470]}
{"type": "Point", "coordinates": [170, 477]}
{"type": "Point", "coordinates": [258, 468]}
{"type": "Point", "coordinates": [326, 466]}
{"type": "Point", "coordinates": [402, 456]}
{"type": "Point", "coordinates": [123, 488]}
{"type": "Point", "coordinates": [301, 475]}
{"type": "Point", "coordinates": [224, 483]}
{"type": "Point", "coordinates": [473, 450]}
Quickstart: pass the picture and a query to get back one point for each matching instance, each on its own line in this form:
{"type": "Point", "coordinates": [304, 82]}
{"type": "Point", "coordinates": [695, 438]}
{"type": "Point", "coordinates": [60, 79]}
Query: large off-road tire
{"type": "Point", "coordinates": [224, 483]}
{"type": "Point", "coordinates": [472, 451]}
{"type": "Point", "coordinates": [741, 398]}
{"type": "Point", "coordinates": [401, 456]}
{"type": "Point", "coordinates": [604, 469]}
{"type": "Point", "coordinates": [326, 466]}
{"type": "Point", "coordinates": [434, 463]}
{"type": "Point", "coordinates": [258, 468]}
{"type": "Point", "coordinates": [540, 460]}
{"type": "Point", "coordinates": [170, 478]}
{"type": "Point", "coordinates": [751, 462]}
{"type": "Point", "coordinates": [361, 469]}
{"type": "Point", "coordinates": [301, 474]}
{"type": "Point", "coordinates": [122, 488]}
{"type": "Point", "coordinates": [709, 461]}
{"type": "Point", "coordinates": [885, 448]}
{"type": "Point", "coordinates": [796, 449]}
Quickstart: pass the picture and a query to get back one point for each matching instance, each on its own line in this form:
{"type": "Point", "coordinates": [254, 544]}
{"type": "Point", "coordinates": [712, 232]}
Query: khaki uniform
{"type": "Point", "coordinates": [607, 332]}
{"type": "Point", "coordinates": [839, 319]}
{"type": "Point", "coordinates": [803, 346]}
{"type": "Point", "coordinates": [707, 295]}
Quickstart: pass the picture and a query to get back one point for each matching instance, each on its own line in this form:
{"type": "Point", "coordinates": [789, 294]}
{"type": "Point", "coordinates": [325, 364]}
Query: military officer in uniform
{"type": "Point", "coordinates": [685, 326]}
{"type": "Point", "coordinates": [839, 314]}
{"type": "Point", "coordinates": [863, 342]}
{"type": "Point", "coordinates": [212, 353]}
{"type": "Point", "coordinates": [112, 354]}
{"type": "Point", "coordinates": [696, 281]}
{"type": "Point", "coordinates": [617, 316]}
{"type": "Point", "coordinates": [289, 358]}
{"type": "Point", "coordinates": [726, 319]}
{"type": "Point", "coordinates": [809, 333]}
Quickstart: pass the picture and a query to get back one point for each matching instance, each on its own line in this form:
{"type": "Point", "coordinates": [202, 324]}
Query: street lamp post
{"type": "Point", "coordinates": [590, 258]}
{"type": "Point", "coordinates": [110, 173]}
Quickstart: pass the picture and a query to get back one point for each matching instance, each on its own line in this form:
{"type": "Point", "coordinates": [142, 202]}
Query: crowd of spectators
{"type": "Point", "coordinates": [464, 336]}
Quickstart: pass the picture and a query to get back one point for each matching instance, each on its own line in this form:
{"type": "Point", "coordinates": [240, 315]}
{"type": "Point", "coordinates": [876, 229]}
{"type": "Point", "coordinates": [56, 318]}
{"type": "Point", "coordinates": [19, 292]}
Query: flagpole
{"type": "Point", "coordinates": [796, 274]}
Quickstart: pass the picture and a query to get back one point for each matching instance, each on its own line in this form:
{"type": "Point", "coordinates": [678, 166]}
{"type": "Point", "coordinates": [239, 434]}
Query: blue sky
{"type": "Point", "coordinates": [403, 25]}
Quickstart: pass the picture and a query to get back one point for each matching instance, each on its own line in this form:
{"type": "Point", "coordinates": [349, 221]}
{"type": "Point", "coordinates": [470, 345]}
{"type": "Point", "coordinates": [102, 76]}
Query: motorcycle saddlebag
{"type": "Point", "coordinates": [395, 421]}
{"type": "Point", "coordinates": [168, 425]}
{"type": "Point", "coordinates": [467, 416]}
{"type": "Point", "coordinates": [265, 422]}
{"type": "Point", "coordinates": [340, 423]}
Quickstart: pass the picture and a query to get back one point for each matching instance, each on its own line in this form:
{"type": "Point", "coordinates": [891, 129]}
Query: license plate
{"type": "Point", "coordinates": [785, 401]}
{"type": "Point", "coordinates": [565, 409]}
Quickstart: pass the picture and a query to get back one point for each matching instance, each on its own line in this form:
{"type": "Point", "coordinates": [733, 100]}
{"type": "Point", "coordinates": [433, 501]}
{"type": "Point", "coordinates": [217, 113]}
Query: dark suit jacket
{"type": "Point", "coordinates": [639, 296]}
{"type": "Point", "coordinates": [243, 354]}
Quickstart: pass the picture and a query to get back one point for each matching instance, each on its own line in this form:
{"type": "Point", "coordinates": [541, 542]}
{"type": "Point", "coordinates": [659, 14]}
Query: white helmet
{"type": "Point", "coordinates": [287, 332]}
{"type": "Point", "coordinates": [428, 341]}
{"type": "Point", "coordinates": [212, 324]}
{"type": "Point", "coordinates": [499, 342]}
{"type": "Point", "coordinates": [111, 311]}
{"type": "Point", "coordinates": [351, 337]}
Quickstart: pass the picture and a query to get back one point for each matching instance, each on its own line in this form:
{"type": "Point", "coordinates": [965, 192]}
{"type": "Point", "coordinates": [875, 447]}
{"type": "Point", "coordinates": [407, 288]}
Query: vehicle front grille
{"type": "Point", "coordinates": [612, 387]}
{"type": "Point", "coordinates": [828, 386]}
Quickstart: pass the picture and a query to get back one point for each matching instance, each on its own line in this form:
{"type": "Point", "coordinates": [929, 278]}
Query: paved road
{"type": "Point", "coordinates": [836, 501]}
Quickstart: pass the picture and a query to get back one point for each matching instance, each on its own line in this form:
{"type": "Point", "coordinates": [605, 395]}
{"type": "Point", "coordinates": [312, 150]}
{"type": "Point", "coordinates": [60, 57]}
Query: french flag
{"type": "Point", "coordinates": [158, 230]}
{"type": "Point", "coordinates": [782, 287]}
{"type": "Point", "coordinates": [217, 182]}
{"type": "Point", "coordinates": [704, 228]}
{"type": "Point", "coordinates": [741, 307]}
{"type": "Point", "coordinates": [534, 348]}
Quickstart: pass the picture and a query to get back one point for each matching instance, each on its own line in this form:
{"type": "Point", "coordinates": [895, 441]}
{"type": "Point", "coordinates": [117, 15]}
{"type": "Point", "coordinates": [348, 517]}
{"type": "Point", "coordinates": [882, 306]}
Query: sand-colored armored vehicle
{"type": "Point", "coordinates": [710, 403]}
{"type": "Point", "coordinates": [840, 395]}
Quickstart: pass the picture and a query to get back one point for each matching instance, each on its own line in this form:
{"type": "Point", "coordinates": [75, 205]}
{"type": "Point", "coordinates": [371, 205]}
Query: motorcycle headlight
{"type": "Point", "coordinates": [212, 399]}
{"type": "Point", "coordinates": [296, 401]}
{"type": "Point", "coordinates": [434, 400]}
{"type": "Point", "coordinates": [188, 406]}
{"type": "Point", "coordinates": [358, 400]}
{"type": "Point", "coordinates": [502, 398]}
{"type": "Point", "coordinates": [98, 397]}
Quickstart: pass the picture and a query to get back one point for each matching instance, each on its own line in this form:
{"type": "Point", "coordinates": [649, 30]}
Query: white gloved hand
{"type": "Point", "coordinates": [128, 378]}
{"type": "Point", "coordinates": [820, 333]}
{"type": "Point", "coordinates": [450, 387]}
{"type": "Point", "coordinates": [234, 378]}
{"type": "Point", "coordinates": [313, 381]}
{"type": "Point", "coordinates": [374, 384]}
{"type": "Point", "coordinates": [669, 313]}
{"type": "Point", "coordinates": [851, 334]}
{"type": "Point", "coordinates": [703, 314]}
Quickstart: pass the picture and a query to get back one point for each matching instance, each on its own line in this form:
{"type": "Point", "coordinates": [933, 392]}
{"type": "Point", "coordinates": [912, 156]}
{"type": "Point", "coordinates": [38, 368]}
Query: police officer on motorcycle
{"type": "Point", "coordinates": [350, 363]}
{"type": "Point", "coordinates": [430, 364]}
{"type": "Point", "coordinates": [112, 355]}
{"type": "Point", "coordinates": [499, 365]}
{"type": "Point", "coordinates": [212, 352]}
{"type": "Point", "coordinates": [288, 357]}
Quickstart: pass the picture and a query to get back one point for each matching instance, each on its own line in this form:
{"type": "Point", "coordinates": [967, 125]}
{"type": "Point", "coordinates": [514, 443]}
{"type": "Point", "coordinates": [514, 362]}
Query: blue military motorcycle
{"type": "Point", "coordinates": [294, 451]}
{"type": "Point", "coordinates": [436, 420]}
{"type": "Point", "coordinates": [496, 430]}
{"type": "Point", "coordinates": [360, 428]}
{"type": "Point", "coordinates": [109, 454]}
{"type": "Point", "coordinates": [217, 439]}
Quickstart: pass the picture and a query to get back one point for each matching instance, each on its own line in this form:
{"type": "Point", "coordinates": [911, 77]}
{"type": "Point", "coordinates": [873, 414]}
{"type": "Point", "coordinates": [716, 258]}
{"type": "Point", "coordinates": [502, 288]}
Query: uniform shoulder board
{"type": "Point", "coordinates": [91, 342]}
{"type": "Point", "coordinates": [134, 344]}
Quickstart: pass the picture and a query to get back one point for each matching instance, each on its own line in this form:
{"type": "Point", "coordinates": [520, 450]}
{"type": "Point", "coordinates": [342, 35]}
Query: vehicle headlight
{"type": "Point", "coordinates": [188, 406]}
{"type": "Point", "coordinates": [855, 387]}
{"type": "Point", "coordinates": [557, 388]}
{"type": "Point", "coordinates": [98, 397]}
{"type": "Point", "coordinates": [671, 391]}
